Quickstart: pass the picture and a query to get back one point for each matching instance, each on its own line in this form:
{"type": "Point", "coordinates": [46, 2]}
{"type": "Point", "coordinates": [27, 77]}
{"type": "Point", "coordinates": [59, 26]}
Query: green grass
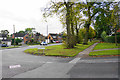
{"type": "Point", "coordinates": [10, 47]}
{"type": "Point", "coordinates": [105, 46]}
{"type": "Point", "coordinates": [105, 52]}
{"type": "Point", "coordinates": [59, 50]}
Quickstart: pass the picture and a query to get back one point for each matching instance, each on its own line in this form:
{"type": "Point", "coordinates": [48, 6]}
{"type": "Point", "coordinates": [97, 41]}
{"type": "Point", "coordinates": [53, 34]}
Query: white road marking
{"type": "Point", "coordinates": [14, 66]}
{"type": "Point", "coordinates": [49, 62]}
{"type": "Point", "coordinates": [74, 60]}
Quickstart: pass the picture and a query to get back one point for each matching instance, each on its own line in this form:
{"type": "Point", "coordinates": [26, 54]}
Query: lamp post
{"type": "Point", "coordinates": [47, 30]}
{"type": "Point", "coordinates": [14, 34]}
{"type": "Point", "coordinates": [47, 33]}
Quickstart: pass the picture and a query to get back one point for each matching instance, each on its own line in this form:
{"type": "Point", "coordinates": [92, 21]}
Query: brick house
{"type": "Point", "coordinates": [54, 37]}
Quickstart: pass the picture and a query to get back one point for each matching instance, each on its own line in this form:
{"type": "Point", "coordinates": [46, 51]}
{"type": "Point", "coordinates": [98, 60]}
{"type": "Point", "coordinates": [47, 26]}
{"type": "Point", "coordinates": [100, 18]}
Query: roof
{"type": "Point", "coordinates": [6, 40]}
{"type": "Point", "coordinates": [20, 34]}
{"type": "Point", "coordinates": [53, 34]}
{"type": "Point", "coordinates": [3, 35]}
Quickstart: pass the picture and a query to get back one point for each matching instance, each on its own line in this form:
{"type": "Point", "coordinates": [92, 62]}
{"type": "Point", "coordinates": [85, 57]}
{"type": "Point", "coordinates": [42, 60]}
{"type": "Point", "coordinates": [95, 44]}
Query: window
{"type": "Point", "coordinates": [54, 36]}
{"type": "Point", "coordinates": [26, 37]}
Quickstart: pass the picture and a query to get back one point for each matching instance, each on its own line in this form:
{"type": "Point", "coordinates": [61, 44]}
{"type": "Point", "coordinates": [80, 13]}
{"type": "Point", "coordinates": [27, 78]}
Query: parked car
{"type": "Point", "coordinates": [0, 45]}
{"type": "Point", "coordinates": [54, 41]}
{"type": "Point", "coordinates": [4, 45]}
{"type": "Point", "coordinates": [43, 43]}
{"type": "Point", "coordinates": [57, 41]}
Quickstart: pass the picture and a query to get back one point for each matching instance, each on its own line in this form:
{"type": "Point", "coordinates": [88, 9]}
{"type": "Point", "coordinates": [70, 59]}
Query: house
{"type": "Point", "coordinates": [3, 36]}
{"type": "Point", "coordinates": [3, 39]}
{"type": "Point", "coordinates": [26, 37]}
{"type": "Point", "coordinates": [8, 42]}
{"type": "Point", "coordinates": [54, 37]}
{"type": "Point", "coordinates": [18, 35]}
{"type": "Point", "coordinates": [37, 37]}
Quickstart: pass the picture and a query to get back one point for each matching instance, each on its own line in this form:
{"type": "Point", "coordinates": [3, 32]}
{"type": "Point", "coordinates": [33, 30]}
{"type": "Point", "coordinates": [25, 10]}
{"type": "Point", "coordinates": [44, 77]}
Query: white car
{"type": "Point", "coordinates": [43, 43]}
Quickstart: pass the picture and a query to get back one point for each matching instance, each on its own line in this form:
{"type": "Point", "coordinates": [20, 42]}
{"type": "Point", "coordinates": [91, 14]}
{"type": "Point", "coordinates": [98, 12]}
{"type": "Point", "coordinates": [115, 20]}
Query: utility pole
{"type": "Point", "coordinates": [14, 34]}
{"type": "Point", "coordinates": [47, 33]}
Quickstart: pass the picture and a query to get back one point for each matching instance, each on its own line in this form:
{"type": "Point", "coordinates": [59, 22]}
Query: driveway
{"type": "Point", "coordinates": [32, 66]}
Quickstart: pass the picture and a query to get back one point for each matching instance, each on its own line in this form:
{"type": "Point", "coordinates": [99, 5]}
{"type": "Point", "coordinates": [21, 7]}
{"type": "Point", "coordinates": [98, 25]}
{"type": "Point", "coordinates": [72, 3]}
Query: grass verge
{"type": "Point", "coordinates": [10, 47]}
{"type": "Point", "coordinates": [105, 46]}
{"type": "Point", "coordinates": [59, 50]}
{"type": "Point", "coordinates": [105, 52]}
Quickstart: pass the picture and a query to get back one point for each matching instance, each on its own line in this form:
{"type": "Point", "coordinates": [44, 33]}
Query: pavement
{"type": "Point", "coordinates": [32, 66]}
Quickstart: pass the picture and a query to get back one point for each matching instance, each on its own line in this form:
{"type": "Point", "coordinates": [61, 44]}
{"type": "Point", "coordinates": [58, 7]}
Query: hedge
{"type": "Point", "coordinates": [111, 39]}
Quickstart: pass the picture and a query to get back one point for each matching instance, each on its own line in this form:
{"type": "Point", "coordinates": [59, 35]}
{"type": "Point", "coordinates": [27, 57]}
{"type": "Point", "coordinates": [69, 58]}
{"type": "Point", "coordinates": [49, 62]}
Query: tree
{"type": "Point", "coordinates": [90, 10]}
{"type": "Point", "coordinates": [103, 35]}
{"type": "Point", "coordinates": [102, 20]}
{"type": "Point", "coordinates": [114, 20]}
{"type": "Point", "coordinates": [29, 30]}
{"type": "Point", "coordinates": [22, 31]}
{"type": "Point", "coordinates": [5, 32]}
{"type": "Point", "coordinates": [62, 8]}
{"type": "Point", "coordinates": [91, 33]}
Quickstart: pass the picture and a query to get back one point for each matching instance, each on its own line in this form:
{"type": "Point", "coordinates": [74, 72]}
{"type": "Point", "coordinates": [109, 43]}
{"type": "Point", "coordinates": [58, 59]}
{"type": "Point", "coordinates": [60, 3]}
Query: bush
{"type": "Point", "coordinates": [16, 41]}
{"type": "Point", "coordinates": [103, 35]}
{"type": "Point", "coordinates": [72, 42]}
{"type": "Point", "coordinates": [111, 39]}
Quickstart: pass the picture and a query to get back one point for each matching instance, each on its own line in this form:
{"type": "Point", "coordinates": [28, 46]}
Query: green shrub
{"type": "Point", "coordinates": [103, 35]}
{"type": "Point", "coordinates": [111, 39]}
{"type": "Point", "coordinates": [16, 41]}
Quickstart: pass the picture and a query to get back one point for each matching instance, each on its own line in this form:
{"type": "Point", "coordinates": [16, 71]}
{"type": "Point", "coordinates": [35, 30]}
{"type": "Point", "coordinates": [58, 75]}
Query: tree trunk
{"type": "Point", "coordinates": [86, 35]}
{"type": "Point", "coordinates": [116, 37]}
{"type": "Point", "coordinates": [87, 27]}
{"type": "Point", "coordinates": [68, 26]}
{"type": "Point", "coordinates": [72, 29]}
{"type": "Point", "coordinates": [77, 32]}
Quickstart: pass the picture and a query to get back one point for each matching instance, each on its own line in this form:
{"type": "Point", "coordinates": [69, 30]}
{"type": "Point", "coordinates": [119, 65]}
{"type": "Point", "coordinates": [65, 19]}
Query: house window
{"type": "Point", "coordinates": [54, 36]}
{"type": "Point", "coordinates": [59, 37]}
{"type": "Point", "coordinates": [26, 37]}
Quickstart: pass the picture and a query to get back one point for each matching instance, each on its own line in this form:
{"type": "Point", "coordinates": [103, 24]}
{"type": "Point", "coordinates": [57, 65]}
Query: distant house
{"type": "Point", "coordinates": [28, 37]}
{"type": "Point", "coordinates": [3, 39]}
{"type": "Point", "coordinates": [18, 35]}
{"type": "Point", "coordinates": [37, 37]}
{"type": "Point", "coordinates": [3, 36]}
{"type": "Point", "coordinates": [8, 42]}
{"type": "Point", "coordinates": [54, 37]}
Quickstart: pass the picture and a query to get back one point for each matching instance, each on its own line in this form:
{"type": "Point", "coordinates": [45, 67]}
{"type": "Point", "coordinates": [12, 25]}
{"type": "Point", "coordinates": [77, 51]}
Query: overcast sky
{"type": "Point", "coordinates": [26, 14]}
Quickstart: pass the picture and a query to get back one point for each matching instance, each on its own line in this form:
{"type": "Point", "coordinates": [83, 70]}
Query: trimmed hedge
{"type": "Point", "coordinates": [111, 39]}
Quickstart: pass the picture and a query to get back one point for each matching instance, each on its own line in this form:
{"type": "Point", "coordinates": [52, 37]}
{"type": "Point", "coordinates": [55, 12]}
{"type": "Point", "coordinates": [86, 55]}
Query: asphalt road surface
{"type": "Point", "coordinates": [17, 64]}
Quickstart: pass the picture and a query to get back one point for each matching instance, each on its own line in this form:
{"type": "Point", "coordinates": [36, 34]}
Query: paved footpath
{"type": "Point", "coordinates": [85, 52]}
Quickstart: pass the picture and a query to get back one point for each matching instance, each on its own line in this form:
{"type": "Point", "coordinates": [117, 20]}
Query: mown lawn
{"type": "Point", "coordinates": [59, 50]}
{"type": "Point", "coordinates": [105, 46]}
{"type": "Point", "coordinates": [105, 52]}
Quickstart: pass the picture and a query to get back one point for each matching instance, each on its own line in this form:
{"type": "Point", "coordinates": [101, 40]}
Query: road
{"type": "Point", "coordinates": [31, 66]}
